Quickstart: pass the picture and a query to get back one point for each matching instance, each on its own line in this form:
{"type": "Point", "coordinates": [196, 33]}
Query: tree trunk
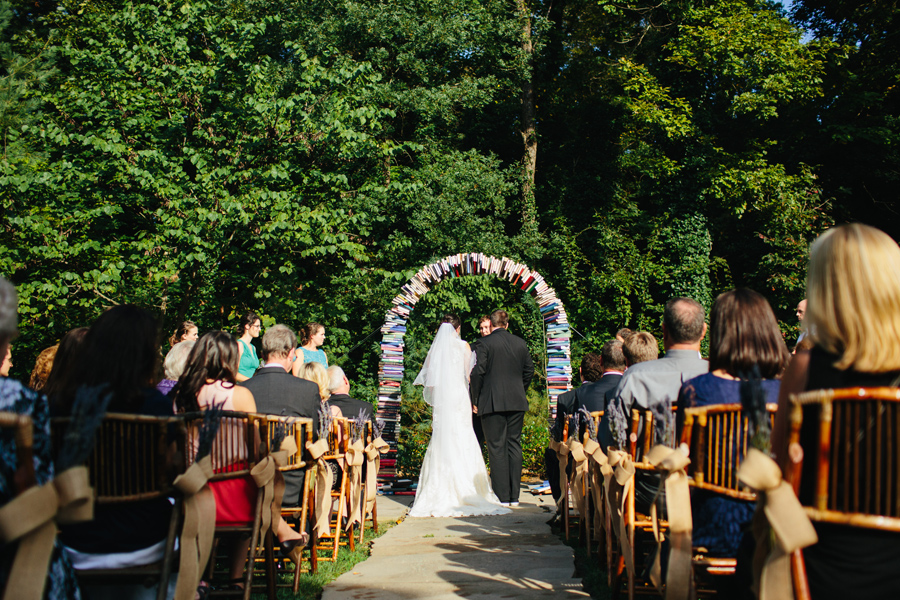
{"type": "Point", "coordinates": [527, 130]}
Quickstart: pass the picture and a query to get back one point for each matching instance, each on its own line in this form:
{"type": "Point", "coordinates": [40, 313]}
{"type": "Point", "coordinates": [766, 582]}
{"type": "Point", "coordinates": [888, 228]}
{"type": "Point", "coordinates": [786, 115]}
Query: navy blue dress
{"type": "Point", "coordinates": [719, 522]}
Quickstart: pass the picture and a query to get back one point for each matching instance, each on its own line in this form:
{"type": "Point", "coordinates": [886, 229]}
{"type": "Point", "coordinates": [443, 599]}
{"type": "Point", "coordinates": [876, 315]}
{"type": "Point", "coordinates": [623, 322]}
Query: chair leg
{"type": "Point", "coordinates": [270, 564]}
{"type": "Point", "coordinates": [251, 553]}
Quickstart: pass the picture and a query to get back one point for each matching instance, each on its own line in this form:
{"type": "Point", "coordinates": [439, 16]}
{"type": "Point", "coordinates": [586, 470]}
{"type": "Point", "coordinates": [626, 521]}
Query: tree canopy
{"type": "Point", "coordinates": [303, 159]}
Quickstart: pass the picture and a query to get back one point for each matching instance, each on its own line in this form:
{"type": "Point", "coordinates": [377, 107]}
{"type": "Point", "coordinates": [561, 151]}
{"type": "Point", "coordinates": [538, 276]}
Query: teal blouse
{"type": "Point", "coordinates": [249, 361]}
{"type": "Point", "coordinates": [314, 356]}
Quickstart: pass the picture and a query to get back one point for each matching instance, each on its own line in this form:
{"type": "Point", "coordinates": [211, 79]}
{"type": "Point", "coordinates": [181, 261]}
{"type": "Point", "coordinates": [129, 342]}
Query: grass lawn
{"type": "Point", "coordinates": [311, 585]}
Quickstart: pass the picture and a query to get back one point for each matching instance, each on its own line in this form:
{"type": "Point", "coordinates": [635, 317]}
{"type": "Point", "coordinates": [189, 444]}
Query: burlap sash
{"type": "Point", "coordinates": [596, 455]}
{"type": "Point", "coordinates": [576, 449]}
{"type": "Point", "coordinates": [618, 476]}
{"type": "Point", "coordinates": [786, 518]}
{"type": "Point", "coordinates": [270, 481]}
{"type": "Point", "coordinates": [324, 480]}
{"type": "Point", "coordinates": [373, 451]}
{"type": "Point", "coordinates": [199, 526]}
{"type": "Point", "coordinates": [679, 576]}
{"type": "Point", "coordinates": [31, 518]}
{"type": "Point", "coordinates": [562, 455]}
{"type": "Point", "coordinates": [356, 457]}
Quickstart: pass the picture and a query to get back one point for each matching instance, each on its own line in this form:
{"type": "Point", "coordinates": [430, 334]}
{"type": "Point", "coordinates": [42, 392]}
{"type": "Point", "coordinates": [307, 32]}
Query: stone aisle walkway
{"type": "Point", "coordinates": [509, 556]}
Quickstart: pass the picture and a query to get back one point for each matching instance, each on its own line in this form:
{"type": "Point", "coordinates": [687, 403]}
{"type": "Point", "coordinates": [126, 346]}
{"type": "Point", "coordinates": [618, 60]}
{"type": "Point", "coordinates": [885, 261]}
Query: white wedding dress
{"type": "Point", "coordinates": [454, 481]}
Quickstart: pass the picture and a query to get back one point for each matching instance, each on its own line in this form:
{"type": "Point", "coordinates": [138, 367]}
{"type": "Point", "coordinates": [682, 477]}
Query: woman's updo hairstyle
{"type": "Point", "coordinates": [248, 319]}
{"type": "Point", "coordinates": [181, 332]}
{"type": "Point", "coordinates": [309, 330]}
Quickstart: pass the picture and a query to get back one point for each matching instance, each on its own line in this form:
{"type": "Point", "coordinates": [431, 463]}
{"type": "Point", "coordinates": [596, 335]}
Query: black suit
{"type": "Point", "coordinates": [350, 407]}
{"type": "Point", "coordinates": [592, 396]}
{"type": "Point", "coordinates": [277, 392]}
{"type": "Point", "coordinates": [503, 371]}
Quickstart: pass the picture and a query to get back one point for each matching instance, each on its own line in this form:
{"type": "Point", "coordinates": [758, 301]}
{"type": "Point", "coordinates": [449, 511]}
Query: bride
{"type": "Point", "coordinates": [453, 481]}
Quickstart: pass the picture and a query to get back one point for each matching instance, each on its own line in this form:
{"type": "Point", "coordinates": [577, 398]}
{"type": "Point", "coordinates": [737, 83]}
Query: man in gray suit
{"type": "Point", "coordinates": [656, 383]}
{"type": "Point", "coordinates": [502, 372]}
{"type": "Point", "coordinates": [277, 392]}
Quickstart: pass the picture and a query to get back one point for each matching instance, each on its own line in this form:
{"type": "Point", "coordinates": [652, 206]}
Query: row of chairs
{"type": "Point", "coordinates": [137, 458]}
{"type": "Point", "coordinates": [845, 453]}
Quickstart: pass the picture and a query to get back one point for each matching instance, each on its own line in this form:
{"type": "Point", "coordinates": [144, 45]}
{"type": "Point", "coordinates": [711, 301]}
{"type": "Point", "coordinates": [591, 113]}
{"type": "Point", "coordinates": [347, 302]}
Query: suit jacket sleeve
{"type": "Point", "coordinates": [528, 371]}
{"type": "Point", "coordinates": [476, 378]}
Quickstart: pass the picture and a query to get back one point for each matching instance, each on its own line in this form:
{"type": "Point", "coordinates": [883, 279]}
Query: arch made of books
{"type": "Point", "coordinates": [390, 369]}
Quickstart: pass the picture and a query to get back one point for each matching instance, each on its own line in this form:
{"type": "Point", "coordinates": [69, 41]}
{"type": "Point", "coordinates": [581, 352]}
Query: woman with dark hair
{"type": "Point", "coordinates": [312, 335]}
{"type": "Point", "coordinates": [119, 355]}
{"type": "Point", "coordinates": [210, 378]}
{"type": "Point", "coordinates": [744, 339]}
{"type": "Point", "coordinates": [63, 367]}
{"type": "Point", "coordinates": [186, 332]}
{"type": "Point", "coordinates": [248, 329]}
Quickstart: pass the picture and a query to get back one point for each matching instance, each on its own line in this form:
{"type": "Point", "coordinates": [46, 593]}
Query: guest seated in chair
{"type": "Point", "coordinates": [119, 352]}
{"type": "Point", "coordinates": [853, 318]}
{"type": "Point", "coordinates": [16, 398]}
{"type": "Point", "coordinates": [744, 336]}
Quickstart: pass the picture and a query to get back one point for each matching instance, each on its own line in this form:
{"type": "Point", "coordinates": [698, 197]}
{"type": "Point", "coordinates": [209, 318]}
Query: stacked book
{"type": "Point", "coordinates": [390, 369]}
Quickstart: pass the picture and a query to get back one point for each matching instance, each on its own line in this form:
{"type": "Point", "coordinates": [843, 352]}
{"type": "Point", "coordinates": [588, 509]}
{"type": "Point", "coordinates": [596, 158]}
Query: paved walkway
{"type": "Point", "coordinates": [509, 556]}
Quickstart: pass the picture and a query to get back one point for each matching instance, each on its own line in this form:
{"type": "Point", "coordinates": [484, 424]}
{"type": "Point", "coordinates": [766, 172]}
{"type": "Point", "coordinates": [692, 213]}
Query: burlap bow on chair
{"type": "Point", "coordinates": [199, 526]}
{"type": "Point", "coordinates": [374, 450]}
{"type": "Point", "coordinates": [356, 457]}
{"type": "Point", "coordinates": [32, 517]}
{"type": "Point", "coordinates": [324, 481]}
{"type": "Point", "coordinates": [618, 477]}
{"type": "Point", "coordinates": [787, 519]}
{"type": "Point", "coordinates": [595, 453]}
{"type": "Point", "coordinates": [576, 449]}
{"type": "Point", "coordinates": [679, 577]}
{"type": "Point", "coordinates": [562, 455]}
{"type": "Point", "coordinates": [270, 481]}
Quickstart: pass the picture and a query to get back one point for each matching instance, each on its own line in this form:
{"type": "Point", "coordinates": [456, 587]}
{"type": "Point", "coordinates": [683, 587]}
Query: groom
{"type": "Point", "coordinates": [503, 371]}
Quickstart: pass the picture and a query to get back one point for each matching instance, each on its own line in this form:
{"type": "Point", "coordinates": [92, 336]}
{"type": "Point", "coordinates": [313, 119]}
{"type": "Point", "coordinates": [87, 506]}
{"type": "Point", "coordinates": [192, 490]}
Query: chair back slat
{"type": "Point", "coordinates": [852, 451]}
{"type": "Point", "coordinates": [238, 446]}
{"type": "Point", "coordinates": [719, 436]}
{"type": "Point", "coordinates": [298, 428]}
{"type": "Point", "coordinates": [135, 457]}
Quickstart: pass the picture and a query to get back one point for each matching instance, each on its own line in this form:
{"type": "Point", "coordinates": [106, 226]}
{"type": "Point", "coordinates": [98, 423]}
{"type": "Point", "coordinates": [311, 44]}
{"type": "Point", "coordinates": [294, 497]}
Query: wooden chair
{"type": "Point", "coordinates": [847, 472]}
{"type": "Point", "coordinates": [595, 501]}
{"type": "Point", "coordinates": [240, 444]}
{"type": "Point", "coordinates": [135, 458]}
{"type": "Point", "coordinates": [338, 443]}
{"type": "Point", "coordinates": [301, 429]}
{"type": "Point", "coordinates": [639, 526]}
{"type": "Point", "coordinates": [718, 436]}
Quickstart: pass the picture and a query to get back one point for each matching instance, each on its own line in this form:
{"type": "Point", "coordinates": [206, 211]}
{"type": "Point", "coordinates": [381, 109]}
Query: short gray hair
{"type": "Point", "coordinates": [176, 359]}
{"type": "Point", "coordinates": [278, 340]}
{"type": "Point", "coordinates": [8, 307]}
{"type": "Point", "coordinates": [335, 378]}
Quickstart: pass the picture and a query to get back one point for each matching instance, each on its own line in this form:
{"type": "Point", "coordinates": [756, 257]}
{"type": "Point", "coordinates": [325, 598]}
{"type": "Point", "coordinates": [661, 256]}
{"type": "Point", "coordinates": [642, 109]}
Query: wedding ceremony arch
{"type": "Point", "coordinates": [557, 334]}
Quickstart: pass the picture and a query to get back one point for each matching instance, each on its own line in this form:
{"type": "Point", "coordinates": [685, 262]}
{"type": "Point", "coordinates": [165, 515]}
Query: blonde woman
{"type": "Point", "coordinates": [853, 318]}
{"type": "Point", "coordinates": [315, 372]}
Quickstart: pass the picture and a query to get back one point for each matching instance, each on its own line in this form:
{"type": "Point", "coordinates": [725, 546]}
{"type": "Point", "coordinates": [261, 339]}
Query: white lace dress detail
{"type": "Point", "coordinates": [453, 481]}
